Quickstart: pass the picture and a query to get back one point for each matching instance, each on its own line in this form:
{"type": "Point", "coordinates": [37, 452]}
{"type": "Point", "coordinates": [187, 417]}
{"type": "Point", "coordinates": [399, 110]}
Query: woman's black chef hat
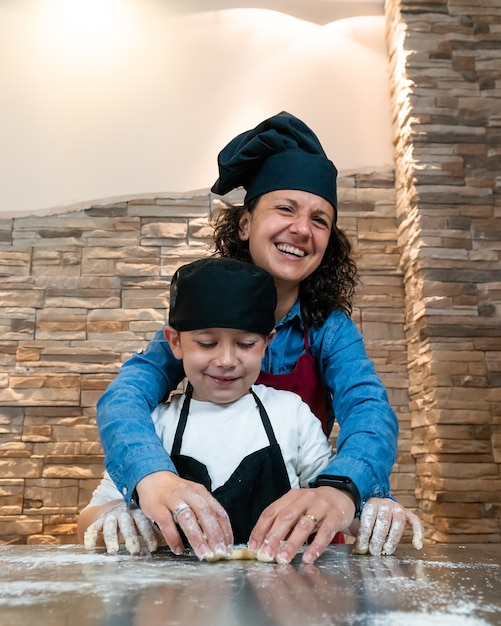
{"type": "Point", "coordinates": [222, 293]}
{"type": "Point", "coordinates": [279, 153]}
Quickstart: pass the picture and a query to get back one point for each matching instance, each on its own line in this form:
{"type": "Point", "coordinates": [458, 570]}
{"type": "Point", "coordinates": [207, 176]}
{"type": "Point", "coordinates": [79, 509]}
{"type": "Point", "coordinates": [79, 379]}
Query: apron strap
{"type": "Point", "coordinates": [185, 409]}
{"type": "Point", "coordinates": [183, 418]}
{"type": "Point", "coordinates": [265, 419]}
{"type": "Point", "coordinates": [305, 338]}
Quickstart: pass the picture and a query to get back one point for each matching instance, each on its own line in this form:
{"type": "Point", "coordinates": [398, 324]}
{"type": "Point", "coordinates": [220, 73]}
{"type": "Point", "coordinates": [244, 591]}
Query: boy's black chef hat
{"type": "Point", "coordinates": [279, 153]}
{"type": "Point", "coordinates": [222, 293]}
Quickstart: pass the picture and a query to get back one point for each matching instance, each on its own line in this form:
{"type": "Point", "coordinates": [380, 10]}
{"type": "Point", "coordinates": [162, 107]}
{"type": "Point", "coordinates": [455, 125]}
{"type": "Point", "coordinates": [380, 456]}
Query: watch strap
{"type": "Point", "coordinates": [343, 483]}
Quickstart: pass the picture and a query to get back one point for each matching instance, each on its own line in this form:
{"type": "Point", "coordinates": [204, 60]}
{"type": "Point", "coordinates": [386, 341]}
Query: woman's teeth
{"type": "Point", "coordinates": [291, 250]}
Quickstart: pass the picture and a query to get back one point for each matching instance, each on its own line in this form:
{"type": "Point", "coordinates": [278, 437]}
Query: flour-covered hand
{"type": "Point", "coordinates": [119, 521]}
{"type": "Point", "coordinates": [382, 524]}
{"type": "Point", "coordinates": [287, 523]}
{"type": "Point", "coordinates": [173, 501]}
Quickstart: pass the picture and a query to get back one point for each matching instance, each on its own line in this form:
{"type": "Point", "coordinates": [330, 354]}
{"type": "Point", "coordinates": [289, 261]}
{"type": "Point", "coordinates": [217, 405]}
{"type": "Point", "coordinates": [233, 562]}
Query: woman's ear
{"type": "Point", "coordinates": [243, 226]}
{"type": "Point", "coordinates": [172, 337]}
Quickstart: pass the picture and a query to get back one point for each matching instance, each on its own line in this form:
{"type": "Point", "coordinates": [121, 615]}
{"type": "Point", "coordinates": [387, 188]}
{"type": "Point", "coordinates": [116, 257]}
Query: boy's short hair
{"type": "Point", "coordinates": [222, 293]}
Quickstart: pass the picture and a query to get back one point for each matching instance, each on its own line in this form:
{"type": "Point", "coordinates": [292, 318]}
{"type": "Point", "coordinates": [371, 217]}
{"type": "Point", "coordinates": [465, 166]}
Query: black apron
{"type": "Point", "coordinates": [260, 479]}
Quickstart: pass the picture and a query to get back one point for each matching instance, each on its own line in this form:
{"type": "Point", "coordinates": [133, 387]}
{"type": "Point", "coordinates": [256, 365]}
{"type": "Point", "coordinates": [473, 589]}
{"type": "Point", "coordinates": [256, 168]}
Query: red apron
{"type": "Point", "coordinates": [305, 380]}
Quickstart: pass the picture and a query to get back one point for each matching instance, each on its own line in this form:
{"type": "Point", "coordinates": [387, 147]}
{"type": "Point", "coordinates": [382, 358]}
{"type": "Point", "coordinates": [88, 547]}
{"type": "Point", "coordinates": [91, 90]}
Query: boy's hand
{"type": "Point", "coordinates": [382, 524]}
{"type": "Point", "coordinates": [117, 520]}
{"type": "Point", "coordinates": [168, 500]}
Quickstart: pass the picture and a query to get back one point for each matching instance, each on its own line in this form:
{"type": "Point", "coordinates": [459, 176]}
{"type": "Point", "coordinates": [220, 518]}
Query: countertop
{"type": "Point", "coordinates": [442, 585]}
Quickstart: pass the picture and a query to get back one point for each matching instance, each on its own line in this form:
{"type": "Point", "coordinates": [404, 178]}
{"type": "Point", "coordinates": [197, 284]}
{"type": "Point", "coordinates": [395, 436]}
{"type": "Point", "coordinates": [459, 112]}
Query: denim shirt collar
{"type": "Point", "coordinates": [294, 312]}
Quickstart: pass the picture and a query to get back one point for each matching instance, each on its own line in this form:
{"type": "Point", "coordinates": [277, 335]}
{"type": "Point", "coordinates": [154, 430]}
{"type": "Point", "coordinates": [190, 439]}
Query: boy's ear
{"type": "Point", "coordinates": [270, 336]}
{"type": "Point", "coordinates": [172, 337]}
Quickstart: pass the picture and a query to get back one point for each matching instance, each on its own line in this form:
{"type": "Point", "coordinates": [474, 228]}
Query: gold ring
{"type": "Point", "coordinates": [312, 517]}
{"type": "Point", "coordinates": [178, 510]}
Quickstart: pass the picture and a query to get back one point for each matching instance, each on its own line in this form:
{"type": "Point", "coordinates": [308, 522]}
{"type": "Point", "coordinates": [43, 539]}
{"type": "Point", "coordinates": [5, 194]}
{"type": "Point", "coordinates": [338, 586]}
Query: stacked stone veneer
{"type": "Point", "coordinates": [82, 291]}
{"type": "Point", "coordinates": [445, 65]}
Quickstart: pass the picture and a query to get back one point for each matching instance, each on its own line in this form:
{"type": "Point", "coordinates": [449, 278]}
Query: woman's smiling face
{"type": "Point", "coordinates": [288, 232]}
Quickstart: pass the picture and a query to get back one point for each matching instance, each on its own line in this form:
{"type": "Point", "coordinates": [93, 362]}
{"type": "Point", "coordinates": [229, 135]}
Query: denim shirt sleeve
{"type": "Point", "coordinates": [131, 446]}
{"type": "Point", "coordinates": [367, 440]}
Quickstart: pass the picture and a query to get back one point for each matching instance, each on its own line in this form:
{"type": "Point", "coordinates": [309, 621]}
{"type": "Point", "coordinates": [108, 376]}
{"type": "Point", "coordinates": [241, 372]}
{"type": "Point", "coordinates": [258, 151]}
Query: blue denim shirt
{"type": "Point", "coordinates": [367, 441]}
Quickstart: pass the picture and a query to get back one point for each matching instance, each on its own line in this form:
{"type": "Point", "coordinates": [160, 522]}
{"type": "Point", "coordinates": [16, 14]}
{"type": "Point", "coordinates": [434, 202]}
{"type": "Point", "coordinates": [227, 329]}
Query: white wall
{"type": "Point", "coordinates": [102, 99]}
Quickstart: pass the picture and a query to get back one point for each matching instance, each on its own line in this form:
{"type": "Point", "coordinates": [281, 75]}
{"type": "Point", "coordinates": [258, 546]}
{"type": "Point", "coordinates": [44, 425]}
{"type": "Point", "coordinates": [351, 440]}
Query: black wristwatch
{"type": "Point", "coordinates": [343, 483]}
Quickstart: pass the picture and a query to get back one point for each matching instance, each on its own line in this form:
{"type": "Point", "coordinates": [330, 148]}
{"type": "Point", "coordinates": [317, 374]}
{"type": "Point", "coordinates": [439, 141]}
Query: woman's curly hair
{"type": "Point", "coordinates": [331, 286]}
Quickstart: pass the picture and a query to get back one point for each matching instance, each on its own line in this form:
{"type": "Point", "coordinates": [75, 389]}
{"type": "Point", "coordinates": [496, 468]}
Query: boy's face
{"type": "Point", "coordinates": [220, 363]}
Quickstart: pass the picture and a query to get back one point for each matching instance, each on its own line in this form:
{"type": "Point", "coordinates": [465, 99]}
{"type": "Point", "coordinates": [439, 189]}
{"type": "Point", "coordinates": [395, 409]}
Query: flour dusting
{"type": "Point", "coordinates": [398, 618]}
{"type": "Point", "coordinates": [340, 588]}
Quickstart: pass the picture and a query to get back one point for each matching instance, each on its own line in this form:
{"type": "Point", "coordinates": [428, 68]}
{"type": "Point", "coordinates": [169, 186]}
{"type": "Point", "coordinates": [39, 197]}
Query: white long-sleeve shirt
{"type": "Point", "coordinates": [221, 435]}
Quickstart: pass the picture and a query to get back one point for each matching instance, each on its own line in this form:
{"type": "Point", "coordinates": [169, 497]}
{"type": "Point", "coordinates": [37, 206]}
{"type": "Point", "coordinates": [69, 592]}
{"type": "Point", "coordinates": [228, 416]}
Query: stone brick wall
{"type": "Point", "coordinates": [82, 291]}
{"type": "Point", "coordinates": [445, 68]}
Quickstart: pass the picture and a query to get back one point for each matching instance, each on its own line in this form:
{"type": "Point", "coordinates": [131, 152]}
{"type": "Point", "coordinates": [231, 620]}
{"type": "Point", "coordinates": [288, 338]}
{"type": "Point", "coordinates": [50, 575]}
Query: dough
{"type": "Point", "coordinates": [241, 553]}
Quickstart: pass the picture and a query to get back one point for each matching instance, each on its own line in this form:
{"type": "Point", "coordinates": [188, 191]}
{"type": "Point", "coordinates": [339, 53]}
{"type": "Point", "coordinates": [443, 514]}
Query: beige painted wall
{"type": "Point", "coordinates": [128, 99]}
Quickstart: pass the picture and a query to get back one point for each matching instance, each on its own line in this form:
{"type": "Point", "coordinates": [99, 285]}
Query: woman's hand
{"type": "Point", "coordinates": [286, 524]}
{"type": "Point", "coordinates": [382, 524]}
{"type": "Point", "coordinates": [115, 521]}
{"type": "Point", "coordinates": [169, 500]}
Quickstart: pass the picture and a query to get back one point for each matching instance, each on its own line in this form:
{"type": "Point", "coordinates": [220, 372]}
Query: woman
{"type": "Point", "coordinates": [288, 227]}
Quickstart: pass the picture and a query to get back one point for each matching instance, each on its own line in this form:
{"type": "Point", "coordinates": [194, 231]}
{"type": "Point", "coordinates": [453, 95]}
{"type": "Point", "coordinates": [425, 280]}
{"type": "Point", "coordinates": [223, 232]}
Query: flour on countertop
{"type": "Point", "coordinates": [426, 592]}
{"type": "Point", "coordinates": [399, 618]}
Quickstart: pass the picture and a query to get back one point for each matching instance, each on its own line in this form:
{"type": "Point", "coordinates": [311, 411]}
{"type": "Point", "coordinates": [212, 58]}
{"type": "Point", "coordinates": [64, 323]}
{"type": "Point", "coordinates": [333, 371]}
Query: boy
{"type": "Point", "coordinates": [246, 444]}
